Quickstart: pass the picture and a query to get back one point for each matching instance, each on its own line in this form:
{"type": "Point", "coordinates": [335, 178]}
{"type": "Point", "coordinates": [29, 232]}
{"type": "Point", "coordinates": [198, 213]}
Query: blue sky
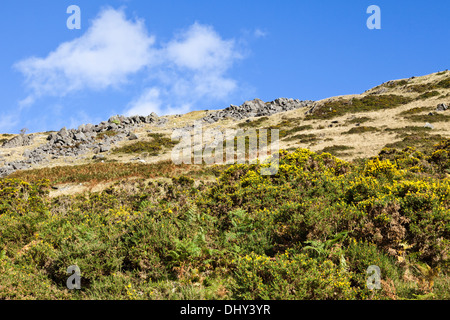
{"type": "Point", "coordinates": [137, 57]}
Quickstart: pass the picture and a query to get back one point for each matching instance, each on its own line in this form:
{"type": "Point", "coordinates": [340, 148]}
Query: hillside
{"type": "Point", "coordinates": [363, 180]}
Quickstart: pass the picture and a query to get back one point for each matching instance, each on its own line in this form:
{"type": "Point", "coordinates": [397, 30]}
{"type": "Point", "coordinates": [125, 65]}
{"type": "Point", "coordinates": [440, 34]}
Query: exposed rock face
{"type": "Point", "coordinates": [256, 108]}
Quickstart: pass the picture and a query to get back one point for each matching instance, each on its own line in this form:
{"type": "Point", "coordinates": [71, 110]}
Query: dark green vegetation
{"type": "Point", "coordinates": [435, 117]}
{"type": "Point", "coordinates": [361, 129]}
{"type": "Point", "coordinates": [336, 150]}
{"type": "Point", "coordinates": [152, 148]}
{"type": "Point", "coordinates": [308, 232]}
{"type": "Point", "coordinates": [5, 137]}
{"type": "Point", "coordinates": [358, 120]}
{"type": "Point", "coordinates": [339, 107]}
{"type": "Point", "coordinates": [253, 124]}
{"type": "Point", "coordinates": [428, 95]}
{"type": "Point", "coordinates": [302, 138]}
{"type": "Point", "coordinates": [421, 88]}
{"type": "Point", "coordinates": [415, 110]}
{"type": "Point", "coordinates": [424, 114]}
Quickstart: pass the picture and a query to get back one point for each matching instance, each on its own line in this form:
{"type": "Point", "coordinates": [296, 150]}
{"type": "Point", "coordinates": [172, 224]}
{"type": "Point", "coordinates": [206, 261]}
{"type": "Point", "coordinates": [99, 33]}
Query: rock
{"type": "Point", "coordinates": [132, 136]}
{"type": "Point", "coordinates": [63, 133]}
{"type": "Point", "coordinates": [113, 127]}
{"type": "Point", "coordinates": [256, 108]}
{"type": "Point", "coordinates": [428, 125]}
{"type": "Point", "coordinates": [80, 136]}
{"type": "Point", "coordinates": [380, 91]}
{"type": "Point", "coordinates": [441, 107]}
{"type": "Point", "coordinates": [19, 141]}
{"type": "Point", "coordinates": [88, 128]}
{"type": "Point", "coordinates": [162, 122]}
{"type": "Point", "coordinates": [105, 148]}
{"type": "Point", "coordinates": [114, 119]}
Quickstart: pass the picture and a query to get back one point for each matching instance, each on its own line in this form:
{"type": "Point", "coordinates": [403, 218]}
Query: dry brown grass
{"type": "Point", "coordinates": [95, 173]}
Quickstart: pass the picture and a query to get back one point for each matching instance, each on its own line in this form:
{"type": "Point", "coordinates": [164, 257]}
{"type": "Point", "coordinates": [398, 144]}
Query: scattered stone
{"type": "Point", "coordinates": [105, 148]}
{"type": "Point", "coordinates": [428, 125]}
{"type": "Point", "coordinates": [442, 107]}
{"type": "Point", "coordinates": [132, 136]}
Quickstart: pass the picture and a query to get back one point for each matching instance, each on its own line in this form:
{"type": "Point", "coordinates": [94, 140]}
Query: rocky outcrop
{"type": "Point", "coordinates": [19, 141]}
{"type": "Point", "coordinates": [75, 142]}
{"type": "Point", "coordinates": [256, 108]}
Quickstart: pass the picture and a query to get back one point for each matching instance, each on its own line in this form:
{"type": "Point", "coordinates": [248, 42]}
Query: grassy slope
{"type": "Point", "coordinates": [160, 231]}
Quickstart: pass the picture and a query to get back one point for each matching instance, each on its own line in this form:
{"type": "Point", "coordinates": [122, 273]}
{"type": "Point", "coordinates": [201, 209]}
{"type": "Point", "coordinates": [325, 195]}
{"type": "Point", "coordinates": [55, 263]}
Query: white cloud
{"type": "Point", "coordinates": [200, 48]}
{"type": "Point", "coordinates": [201, 59]}
{"type": "Point", "coordinates": [104, 56]}
{"type": "Point", "coordinates": [191, 68]}
{"type": "Point", "coordinates": [150, 101]}
{"type": "Point", "coordinates": [8, 122]}
{"type": "Point", "coordinates": [147, 103]}
{"type": "Point", "coordinates": [258, 33]}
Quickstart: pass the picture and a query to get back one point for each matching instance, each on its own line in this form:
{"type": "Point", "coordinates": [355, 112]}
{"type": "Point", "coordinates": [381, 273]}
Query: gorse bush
{"type": "Point", "coordinates": [308, 232]}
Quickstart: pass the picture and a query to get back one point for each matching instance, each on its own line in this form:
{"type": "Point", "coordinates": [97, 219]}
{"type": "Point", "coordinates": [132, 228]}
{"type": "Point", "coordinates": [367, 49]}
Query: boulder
{"type": "Point", "coordinates": [80, 136]}
{"type": "Point", "coordinates": [19, 141]}
{"type": "Point", "coordinates": [441, 107]}
{"type": "Point", "coordinates": [132, 136]}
